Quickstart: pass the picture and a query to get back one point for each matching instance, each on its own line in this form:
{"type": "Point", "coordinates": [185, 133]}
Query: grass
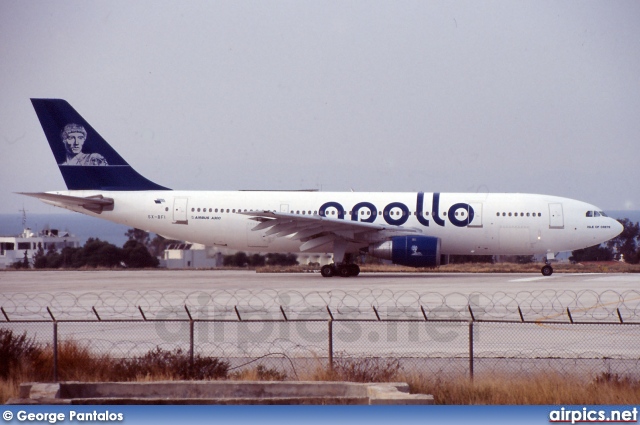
{"type": "Point", "coordinates": [587, 267]}
{"type": "Point", "coordinates": [539, 388]}
{"type": "Point", "coordinates": [29, 361]}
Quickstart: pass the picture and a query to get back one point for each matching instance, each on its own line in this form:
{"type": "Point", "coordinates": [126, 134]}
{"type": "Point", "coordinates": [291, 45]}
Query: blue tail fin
{"type": "Point", "coordinates": [85, 159]}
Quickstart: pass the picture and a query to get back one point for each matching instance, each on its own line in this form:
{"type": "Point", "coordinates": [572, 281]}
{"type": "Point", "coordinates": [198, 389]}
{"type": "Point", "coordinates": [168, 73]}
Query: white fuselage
{"type": "Point", "coordinates": [505, 224]}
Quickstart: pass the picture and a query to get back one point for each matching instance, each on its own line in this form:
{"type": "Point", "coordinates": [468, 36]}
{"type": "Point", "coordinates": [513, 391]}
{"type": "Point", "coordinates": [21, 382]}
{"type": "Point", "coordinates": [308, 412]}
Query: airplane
{"type": "Point", "coordinates": [412, 229]}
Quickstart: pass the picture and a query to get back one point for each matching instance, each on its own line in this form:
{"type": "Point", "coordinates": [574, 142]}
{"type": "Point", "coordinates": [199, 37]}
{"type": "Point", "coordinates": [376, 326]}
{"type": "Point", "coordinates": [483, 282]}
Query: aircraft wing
{"type": "Point", "coordinates": [314, 230]}
{"type": "Point", "coordinates": [96, 204]}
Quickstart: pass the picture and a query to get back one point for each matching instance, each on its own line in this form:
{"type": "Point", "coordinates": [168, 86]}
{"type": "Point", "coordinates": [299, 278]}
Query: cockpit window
{"type": "Point", "coordinates": [589, 213]}
{"type": "Point", "coordinates": [596, 214]}
{"type": "Point", "coordinates": [603, 214]}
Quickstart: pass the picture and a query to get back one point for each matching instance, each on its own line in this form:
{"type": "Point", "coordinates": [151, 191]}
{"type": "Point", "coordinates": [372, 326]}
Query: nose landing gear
{"type": "Point", "coordinates": [547, 270]}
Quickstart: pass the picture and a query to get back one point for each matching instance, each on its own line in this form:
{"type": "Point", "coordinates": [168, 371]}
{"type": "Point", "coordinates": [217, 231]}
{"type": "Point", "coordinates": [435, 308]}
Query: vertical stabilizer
{"type": "Point", "coordinates": [85, 159]}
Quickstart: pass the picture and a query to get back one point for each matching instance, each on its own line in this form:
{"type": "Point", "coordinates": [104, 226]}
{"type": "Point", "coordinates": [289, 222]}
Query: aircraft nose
{"type": "Point", "coordinates": [616, 228]}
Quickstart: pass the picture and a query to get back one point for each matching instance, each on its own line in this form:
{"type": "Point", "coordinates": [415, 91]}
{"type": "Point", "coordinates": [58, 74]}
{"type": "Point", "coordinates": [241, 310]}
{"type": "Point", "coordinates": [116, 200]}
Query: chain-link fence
{"type": "Point", "coordinates": [564, 332]}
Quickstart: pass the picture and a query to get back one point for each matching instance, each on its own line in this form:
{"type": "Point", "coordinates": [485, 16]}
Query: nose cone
{"type": "Point", "coordinates": [616, 228]}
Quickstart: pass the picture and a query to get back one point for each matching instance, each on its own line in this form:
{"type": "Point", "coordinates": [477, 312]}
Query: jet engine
{"type": "Point", "coordinates": [412, 251]}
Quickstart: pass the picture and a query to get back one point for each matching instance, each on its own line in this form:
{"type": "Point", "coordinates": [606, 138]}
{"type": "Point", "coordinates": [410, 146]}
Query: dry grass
{"type": "Point", "coordinates": [587, 267]}
{"type": "Point", "coordinates": [540, 388]}
{"type": "Point", "coordinates": [259, 373]}
{"type": "Point", "coordinates": [491, 389]}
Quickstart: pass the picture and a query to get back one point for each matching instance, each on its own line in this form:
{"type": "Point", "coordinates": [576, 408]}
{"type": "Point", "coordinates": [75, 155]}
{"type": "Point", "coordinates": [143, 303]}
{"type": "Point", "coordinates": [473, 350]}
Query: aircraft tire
{"type": "Point", "coordinates": [546, 270]}
{"type": "Point", "coordinates": [327, 271]}
{"type": "Point", "coordinates": [354, 270]}
{"type": "Point", "coordinates": [344, 271]}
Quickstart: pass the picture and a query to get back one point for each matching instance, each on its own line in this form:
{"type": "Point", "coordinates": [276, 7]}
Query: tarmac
{"type": "Point", "coordinates": [29, 282]}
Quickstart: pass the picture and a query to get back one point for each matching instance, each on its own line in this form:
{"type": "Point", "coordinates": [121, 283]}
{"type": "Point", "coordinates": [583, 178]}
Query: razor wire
{"type": "Point", "coordinates": [364, 304]}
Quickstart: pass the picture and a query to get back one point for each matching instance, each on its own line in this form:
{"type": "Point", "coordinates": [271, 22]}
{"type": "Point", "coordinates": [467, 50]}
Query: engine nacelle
{"type": "Point", "coordinates": [412, 251]}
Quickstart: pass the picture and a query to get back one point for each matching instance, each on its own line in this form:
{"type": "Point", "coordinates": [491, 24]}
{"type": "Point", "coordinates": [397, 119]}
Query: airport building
{"type": "Point", "coordinates": [13, 248]}
{"type": "Point", "coordinates": [190, 256]}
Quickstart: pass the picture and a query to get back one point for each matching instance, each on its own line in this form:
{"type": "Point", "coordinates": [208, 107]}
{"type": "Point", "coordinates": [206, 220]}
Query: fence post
{"type": "Point", "coordinates": [55, 346]}
{"type": "Point", "coordinates": [471, 350]}
{"type": "Point", "coordinates": [330, 338]}
{"type": "Point", "coordinates": [331, 344]}
{"type": "Point", "coordinates": [190, 336]}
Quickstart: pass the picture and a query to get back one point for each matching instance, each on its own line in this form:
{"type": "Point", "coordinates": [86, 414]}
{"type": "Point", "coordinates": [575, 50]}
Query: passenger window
{"type": "Point", "coordinates": [528, 214]}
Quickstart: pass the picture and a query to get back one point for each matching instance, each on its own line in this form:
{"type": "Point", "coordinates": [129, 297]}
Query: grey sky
{"type": "Point", "coordinates": [499, 96]}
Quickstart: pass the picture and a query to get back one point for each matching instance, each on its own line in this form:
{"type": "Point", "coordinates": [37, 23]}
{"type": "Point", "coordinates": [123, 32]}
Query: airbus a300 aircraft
{"type": "Point", "coordinates": [412, 229]}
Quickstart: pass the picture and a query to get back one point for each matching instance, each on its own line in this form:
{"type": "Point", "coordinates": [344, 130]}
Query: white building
{"type": "Point", "coordinates": [12, 248]}
{"type": "Point", "coordinates": [190, 256]}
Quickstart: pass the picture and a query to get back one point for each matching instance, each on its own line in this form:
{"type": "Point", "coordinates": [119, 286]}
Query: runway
{"type": "Point", "coordinates": [119, 294]}
{"type": "Point", "coordinates": [211, 280]}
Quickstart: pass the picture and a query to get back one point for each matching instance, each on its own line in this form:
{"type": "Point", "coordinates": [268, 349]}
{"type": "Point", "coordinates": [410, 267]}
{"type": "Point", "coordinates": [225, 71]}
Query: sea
{"type": "Point", "coordinates": [85, 227]}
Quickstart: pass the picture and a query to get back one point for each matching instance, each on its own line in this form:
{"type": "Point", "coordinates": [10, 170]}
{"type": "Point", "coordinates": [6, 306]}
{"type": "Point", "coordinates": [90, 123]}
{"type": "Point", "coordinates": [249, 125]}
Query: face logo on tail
{"type": "Point", "coordinates": [73, 138]}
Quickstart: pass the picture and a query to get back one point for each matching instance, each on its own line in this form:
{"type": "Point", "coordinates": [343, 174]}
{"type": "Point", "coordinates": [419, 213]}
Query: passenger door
{"type": "Point", "coordinates": [180, 210]}
{"type": "Point", "coordinates": [556, 218]}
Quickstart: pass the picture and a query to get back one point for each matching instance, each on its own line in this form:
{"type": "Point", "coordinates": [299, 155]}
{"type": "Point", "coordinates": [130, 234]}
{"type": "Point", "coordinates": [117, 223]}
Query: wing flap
{"type": "Point", "coordinates": [314, 230]}
{"type": "Point", "coordinates": [314, 243]}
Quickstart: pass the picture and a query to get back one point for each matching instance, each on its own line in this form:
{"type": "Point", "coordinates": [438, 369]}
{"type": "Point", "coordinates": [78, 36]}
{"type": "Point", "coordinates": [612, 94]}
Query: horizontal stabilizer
{"type": "Point", "coordinates": [96, 204]}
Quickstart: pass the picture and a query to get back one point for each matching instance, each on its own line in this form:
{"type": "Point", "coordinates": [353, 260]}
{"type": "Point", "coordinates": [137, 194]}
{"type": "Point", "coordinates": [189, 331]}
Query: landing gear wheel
{"type": "Point", "coordinates": [344, 271]}
{"type": "Point", "coordinates": [354, 269]}
{"type": "Point", "coordinates": [546, 270]}
{"type": "Point", "coordinates": [327, 271]}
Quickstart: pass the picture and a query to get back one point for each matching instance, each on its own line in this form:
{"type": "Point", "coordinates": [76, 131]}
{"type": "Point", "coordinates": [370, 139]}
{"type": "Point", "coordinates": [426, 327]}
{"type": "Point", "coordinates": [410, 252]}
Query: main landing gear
{"type": "Point", "coordinates": [344, 270]}
{"type": "Point", "coordinates": [547, 270]}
